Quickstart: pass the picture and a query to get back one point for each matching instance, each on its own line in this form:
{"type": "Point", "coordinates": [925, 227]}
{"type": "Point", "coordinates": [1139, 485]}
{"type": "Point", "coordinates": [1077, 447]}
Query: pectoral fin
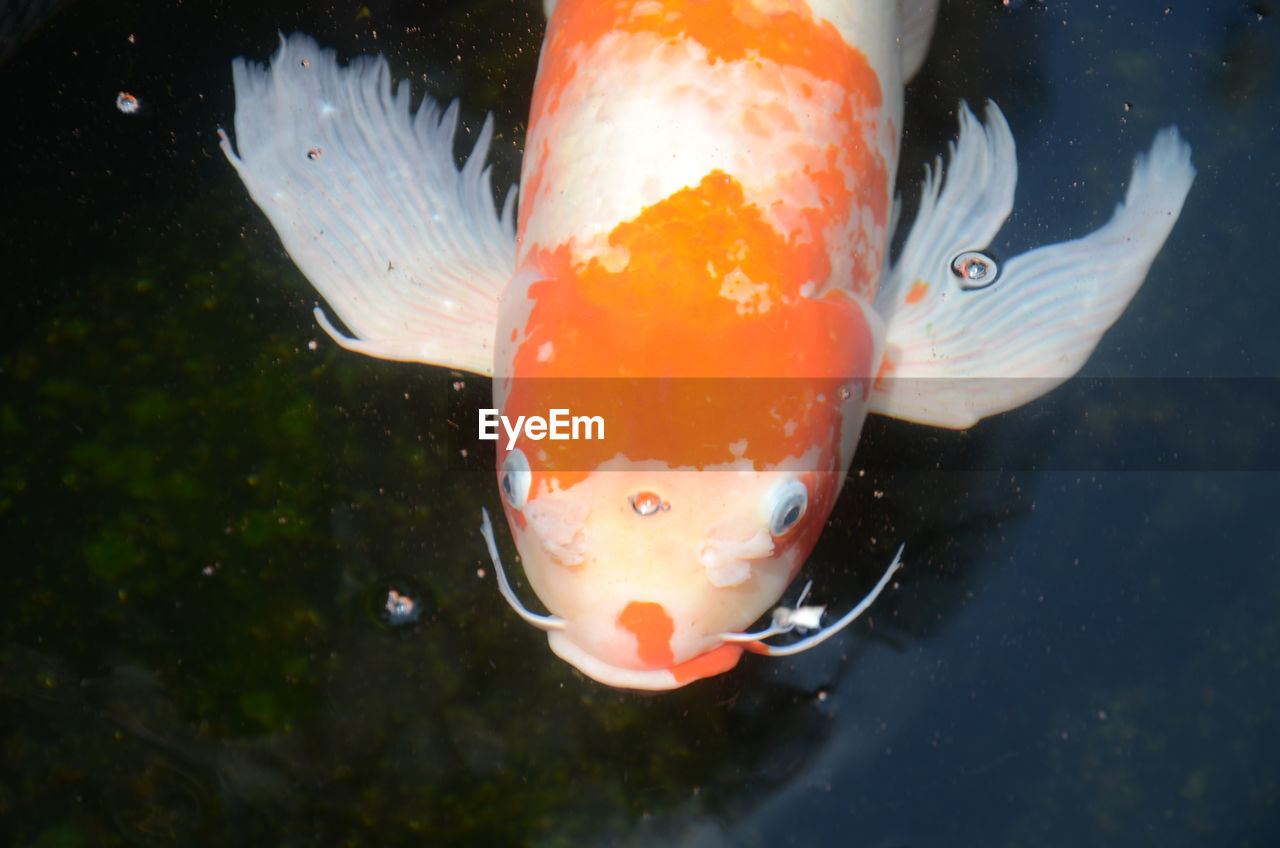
{"type": "Point", "coordinates": [406, 249]}
{"type": "Point", "coordinates": [958, 350]}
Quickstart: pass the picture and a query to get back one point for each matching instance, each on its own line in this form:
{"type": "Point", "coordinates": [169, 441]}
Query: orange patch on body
{"type": "Point", "coordinates": [682, 247]}
{"type": "Point", "coordinates": [626, 323]}
{"type": "Point", "coordinates": [830, 176]}
{"type": "Point", "coordinates": [668, 314]}
{"type": "Point", "coordinates": [653, 629]}
{"type": "Point", "coordinates": [785, 32]}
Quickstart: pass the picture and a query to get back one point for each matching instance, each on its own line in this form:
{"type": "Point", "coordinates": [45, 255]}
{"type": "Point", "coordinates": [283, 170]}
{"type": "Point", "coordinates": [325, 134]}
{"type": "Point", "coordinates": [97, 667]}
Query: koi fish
{"type": "Point", "coordinates": [701, 259]}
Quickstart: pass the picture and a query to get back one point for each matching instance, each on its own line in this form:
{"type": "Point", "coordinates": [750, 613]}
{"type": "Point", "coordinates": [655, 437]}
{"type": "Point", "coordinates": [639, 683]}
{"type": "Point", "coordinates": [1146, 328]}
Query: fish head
{"type": "Point", "coordinates": [684, 519]}
{"type": "Point", "coordinates": [647, 567]}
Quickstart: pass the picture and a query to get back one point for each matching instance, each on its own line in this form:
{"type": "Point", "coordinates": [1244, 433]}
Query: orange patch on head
{"type": "Point", "coordinates": [653, 629]}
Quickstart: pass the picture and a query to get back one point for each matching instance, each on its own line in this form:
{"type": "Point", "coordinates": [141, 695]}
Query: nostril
{"type": "Point", "coordinates": [728, 561]}
{"type": "Point", "coordinates": [709, 555]}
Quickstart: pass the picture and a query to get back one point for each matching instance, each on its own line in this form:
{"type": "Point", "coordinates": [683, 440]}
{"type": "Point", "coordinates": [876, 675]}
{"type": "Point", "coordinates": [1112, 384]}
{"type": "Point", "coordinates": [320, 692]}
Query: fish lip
{"type": "Point", "coordinates": [620, 677]}
{"type": "Point", "coordinates": [654, 679]}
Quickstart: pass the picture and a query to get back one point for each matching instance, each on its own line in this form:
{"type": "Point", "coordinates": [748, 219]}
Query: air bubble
{"type": "Point", "coordinates": [974, 270]}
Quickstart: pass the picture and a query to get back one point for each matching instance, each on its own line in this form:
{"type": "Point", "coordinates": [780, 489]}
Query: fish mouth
{"type": "Point", "coordinates": [707, 664]}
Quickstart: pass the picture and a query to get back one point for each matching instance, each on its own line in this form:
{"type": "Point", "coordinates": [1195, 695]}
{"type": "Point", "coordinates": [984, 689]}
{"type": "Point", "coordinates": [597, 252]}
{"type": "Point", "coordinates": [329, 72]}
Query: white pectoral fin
{"type": "Point", "coordinates": [957, 352]}
{"type": "Point", "coordinates": [406, 249]}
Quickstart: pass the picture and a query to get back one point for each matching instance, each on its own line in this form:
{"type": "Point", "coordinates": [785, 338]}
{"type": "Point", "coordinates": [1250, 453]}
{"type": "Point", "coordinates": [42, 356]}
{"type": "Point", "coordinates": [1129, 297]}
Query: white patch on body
{"type": "Point", "coordinates": [655, 117]}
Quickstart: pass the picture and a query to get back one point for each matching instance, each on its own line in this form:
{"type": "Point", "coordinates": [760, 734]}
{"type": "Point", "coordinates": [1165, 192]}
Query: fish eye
{"type": "Point", "coordinates": [515, 478]}
{"type": "Point", "coordinates": [785, 505]}
{"type": "Point", "coordinates": [974, 270]}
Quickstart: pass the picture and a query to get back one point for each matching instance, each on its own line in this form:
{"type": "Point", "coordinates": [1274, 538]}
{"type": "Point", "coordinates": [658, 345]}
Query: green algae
{"type": "Point", "coordinates": [201, 501]}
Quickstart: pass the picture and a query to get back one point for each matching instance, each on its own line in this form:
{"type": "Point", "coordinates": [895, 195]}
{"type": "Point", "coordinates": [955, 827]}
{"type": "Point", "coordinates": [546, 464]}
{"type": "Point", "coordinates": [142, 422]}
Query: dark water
{"type": "Point", "coordinates": [202, 515]}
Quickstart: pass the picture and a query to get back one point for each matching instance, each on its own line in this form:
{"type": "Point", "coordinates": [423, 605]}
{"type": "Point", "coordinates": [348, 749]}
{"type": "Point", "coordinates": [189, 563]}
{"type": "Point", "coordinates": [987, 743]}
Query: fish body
{"type": "Point", "coordinates": [734, 255]}
{"type": "Point", "coordinates": [701, 260]}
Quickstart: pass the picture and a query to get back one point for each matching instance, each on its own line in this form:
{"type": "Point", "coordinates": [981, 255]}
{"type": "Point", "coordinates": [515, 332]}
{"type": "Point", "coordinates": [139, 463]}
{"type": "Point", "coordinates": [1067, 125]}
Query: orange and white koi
{"type": "Point", "coordinates": [702, 260]}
